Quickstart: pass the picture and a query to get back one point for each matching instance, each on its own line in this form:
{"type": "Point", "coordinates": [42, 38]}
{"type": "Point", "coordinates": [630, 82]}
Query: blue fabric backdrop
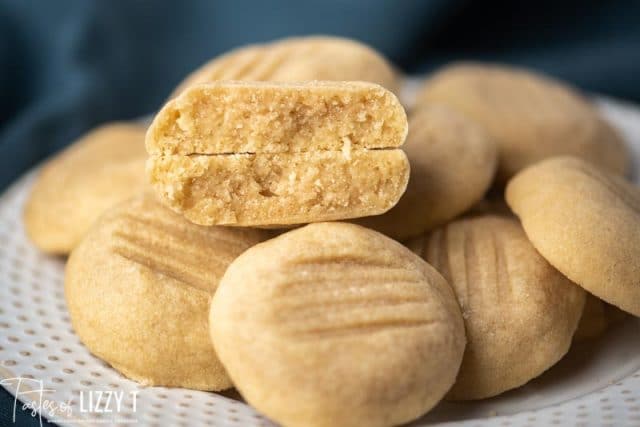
{"type": "Point", "coordinates": [67, 65]}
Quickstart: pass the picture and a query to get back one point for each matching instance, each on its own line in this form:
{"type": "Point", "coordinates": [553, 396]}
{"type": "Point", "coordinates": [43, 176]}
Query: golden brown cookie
{"type": "Point", "coordinates": [452, 160]}
{"type": "Point", "coordinates": [530, 116]}
{"type": "Point", "coordinates": [586, 223]}
{"type": "Point", "coordinates": [333, 324]}
{"type": "Point", "coordinates": [298, 59]}
{"type": "Point", "coordinates": [102, 169]}
{"type": "Point", "coordinates": [520, 313]}
{"type": "Point", "coordinates": [596, 318]}
{"type": "Point", "coordinates": [256, 153]}
{"type": "Point", "coordinates": [138, 289]}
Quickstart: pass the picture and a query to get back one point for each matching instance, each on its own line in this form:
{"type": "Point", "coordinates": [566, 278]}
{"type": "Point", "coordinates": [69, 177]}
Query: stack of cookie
{"type": "Point", "coordinates": [424, 286]}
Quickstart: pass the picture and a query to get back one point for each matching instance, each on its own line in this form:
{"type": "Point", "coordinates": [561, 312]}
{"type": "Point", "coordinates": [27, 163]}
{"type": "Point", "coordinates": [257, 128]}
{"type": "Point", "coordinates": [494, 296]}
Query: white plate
{"type": "Point", "coordinates": [598, 383]}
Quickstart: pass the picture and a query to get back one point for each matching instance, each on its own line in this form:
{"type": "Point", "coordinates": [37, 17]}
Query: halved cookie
{"type": "Point", "coordinates": [238, 153]}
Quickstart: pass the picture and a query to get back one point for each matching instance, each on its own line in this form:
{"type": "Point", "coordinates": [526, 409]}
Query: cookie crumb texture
{"type": "Point", "coordinates": [242, 117]}
{"type": "Point", "coordinates": [239, 153]}
{"type": "Point", "coordinates": [287, 188]}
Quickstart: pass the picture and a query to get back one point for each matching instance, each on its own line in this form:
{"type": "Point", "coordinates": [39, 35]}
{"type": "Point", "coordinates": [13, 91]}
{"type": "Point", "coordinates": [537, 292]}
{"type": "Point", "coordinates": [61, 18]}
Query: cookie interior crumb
{"type": "Point", "coordinates": [256, 117]}
{"type": "Point", "coordinates": [285, 188]}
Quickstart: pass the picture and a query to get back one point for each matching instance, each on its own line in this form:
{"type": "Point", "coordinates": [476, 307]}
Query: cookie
{"type": "Point", "coordinates": [589, 228]}
{"type": "Point", "coordinates": [256, 153]}
{"type": "Point", "coordinates": [453, 161]}
{"type": "Point", "coordinates": [530, 116]}
{"type": "Point", "coordinates": [336, 324]}
{"type": "Point", "coordinates": [520, 313]}
{"type": "Point", "coordinates": [596, 318]}
{"type": "Point", "coordinates": [138, 289]}
{"type": "Point", "coordinates": [102, 169]}
{"type": "Point", "coordinates": [298, 59]}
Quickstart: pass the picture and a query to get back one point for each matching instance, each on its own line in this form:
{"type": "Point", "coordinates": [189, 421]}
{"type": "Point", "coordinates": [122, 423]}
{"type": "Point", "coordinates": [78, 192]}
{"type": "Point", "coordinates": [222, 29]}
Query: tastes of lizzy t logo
{"type": "Point", "coordinates": [94, 402]}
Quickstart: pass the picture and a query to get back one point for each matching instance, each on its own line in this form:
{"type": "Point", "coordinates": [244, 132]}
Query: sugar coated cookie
{"type": "Point", "coordinates": [138, 289]}
{"type": "Point", "coordinates": [585, 222]}
{"type": "Point", "coordinates": [256, 153]}
{"type": "Point", "coordinates": [530, 116]}
{"type": "Point", "coordinates": [520, 313]}
{"type": "Point", "coordinates": [298, 59]}
{"type": "Point", "coordinates": [102, 169]}
{"type": "Point", "coordinates": [334, 324]}
{"type": "Point", "coordinates": [453, 161]}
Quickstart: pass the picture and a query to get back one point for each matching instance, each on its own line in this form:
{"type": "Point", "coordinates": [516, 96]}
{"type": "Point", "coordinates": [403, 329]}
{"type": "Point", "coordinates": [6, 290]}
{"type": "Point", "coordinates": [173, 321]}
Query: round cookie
{"type": "Point", "coordinates": [102, 169]}
{"type": "Point", "coordinates": [452, 161]}
{"type": "Point", "coordinates": [530, 116]}
{"type": "Point", "coordinates": [138, 289]}
{"type": "Point", "coordinates": [586, 223]}
{"type": "Point", "coordinates": [593, 321]}
{"type": "Point", "coordinates": [264, 153]}
{"type": "Point", "coordinates": [520, 313]}
{"type": "Point", "coordinates": [298, 59]}
{"type": "Point", "coordinates": [335, 324]}
{"type": "Point", "coordinates": [596, 318]}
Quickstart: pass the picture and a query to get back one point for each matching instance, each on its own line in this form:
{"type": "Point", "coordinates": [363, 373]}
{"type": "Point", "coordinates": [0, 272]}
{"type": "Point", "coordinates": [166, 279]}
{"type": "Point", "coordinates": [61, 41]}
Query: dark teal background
{"type": "Point", "coordinates": [67, 65]}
